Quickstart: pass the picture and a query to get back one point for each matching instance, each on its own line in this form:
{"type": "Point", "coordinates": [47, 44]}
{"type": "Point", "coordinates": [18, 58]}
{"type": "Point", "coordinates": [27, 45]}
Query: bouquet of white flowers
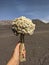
{"type": "Point", "coordinates": [23, 25]}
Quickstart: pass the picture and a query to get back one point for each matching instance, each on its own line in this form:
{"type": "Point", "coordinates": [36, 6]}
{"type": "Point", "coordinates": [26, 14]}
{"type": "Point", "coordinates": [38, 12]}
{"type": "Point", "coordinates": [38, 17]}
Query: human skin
{"type": "Point", "coordinates": [15, 58]}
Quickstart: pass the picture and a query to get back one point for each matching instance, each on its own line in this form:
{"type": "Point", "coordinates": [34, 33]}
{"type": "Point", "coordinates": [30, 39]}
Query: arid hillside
{"type": "Point", "coordinates": [37, 45]}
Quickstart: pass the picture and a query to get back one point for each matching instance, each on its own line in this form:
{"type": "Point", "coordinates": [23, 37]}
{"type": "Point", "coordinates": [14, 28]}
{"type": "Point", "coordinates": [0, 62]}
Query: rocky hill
{"type": "Point", "coordinates": [5, 22]}
{"type": "Point", "coordinates": [40, 25]}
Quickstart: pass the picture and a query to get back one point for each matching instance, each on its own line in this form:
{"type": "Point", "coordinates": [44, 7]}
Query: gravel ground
{"type": "Point", "coordinates": [37, 47]}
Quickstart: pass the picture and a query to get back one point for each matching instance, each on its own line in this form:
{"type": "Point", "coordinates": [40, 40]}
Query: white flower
{"type": "Point", "coordinates": [23, 25]}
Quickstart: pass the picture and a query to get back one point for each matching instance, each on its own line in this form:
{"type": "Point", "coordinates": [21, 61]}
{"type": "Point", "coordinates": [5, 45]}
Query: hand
{"type": "Point", "coordinates": [15, 58]}
{"type": "Point", "coordinates": [17, 52]}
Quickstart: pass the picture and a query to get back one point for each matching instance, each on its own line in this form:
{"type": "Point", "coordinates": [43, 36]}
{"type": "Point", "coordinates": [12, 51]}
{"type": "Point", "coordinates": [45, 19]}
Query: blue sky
{"type": "Point", "coordinates": [33, 9]}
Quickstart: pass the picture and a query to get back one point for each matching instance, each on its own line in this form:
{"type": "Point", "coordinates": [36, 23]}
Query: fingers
{"type": "Point", "coordinates": [19, 51]}
{"type": "Point", "coordinates": [16, 52]}
{"type": "Point", "coordinates": [17, 47]}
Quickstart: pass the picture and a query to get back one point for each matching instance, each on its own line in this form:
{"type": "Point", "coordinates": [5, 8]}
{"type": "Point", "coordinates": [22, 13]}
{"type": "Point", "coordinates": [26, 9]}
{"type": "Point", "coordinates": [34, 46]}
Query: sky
{"type": "Point", "coordinates": [33, 9]}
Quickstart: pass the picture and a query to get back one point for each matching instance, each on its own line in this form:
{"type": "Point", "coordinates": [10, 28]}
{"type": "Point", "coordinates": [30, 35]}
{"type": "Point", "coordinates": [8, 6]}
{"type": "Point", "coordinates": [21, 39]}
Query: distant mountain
{"type": "Point", "coordinates": [38, 22]}
{"type": "Point", "coordinates": [40, 25]}
{"type": "Point", "coordinates": [5, 22]}
{"type": "Point", "coordinates": [35, 21]}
